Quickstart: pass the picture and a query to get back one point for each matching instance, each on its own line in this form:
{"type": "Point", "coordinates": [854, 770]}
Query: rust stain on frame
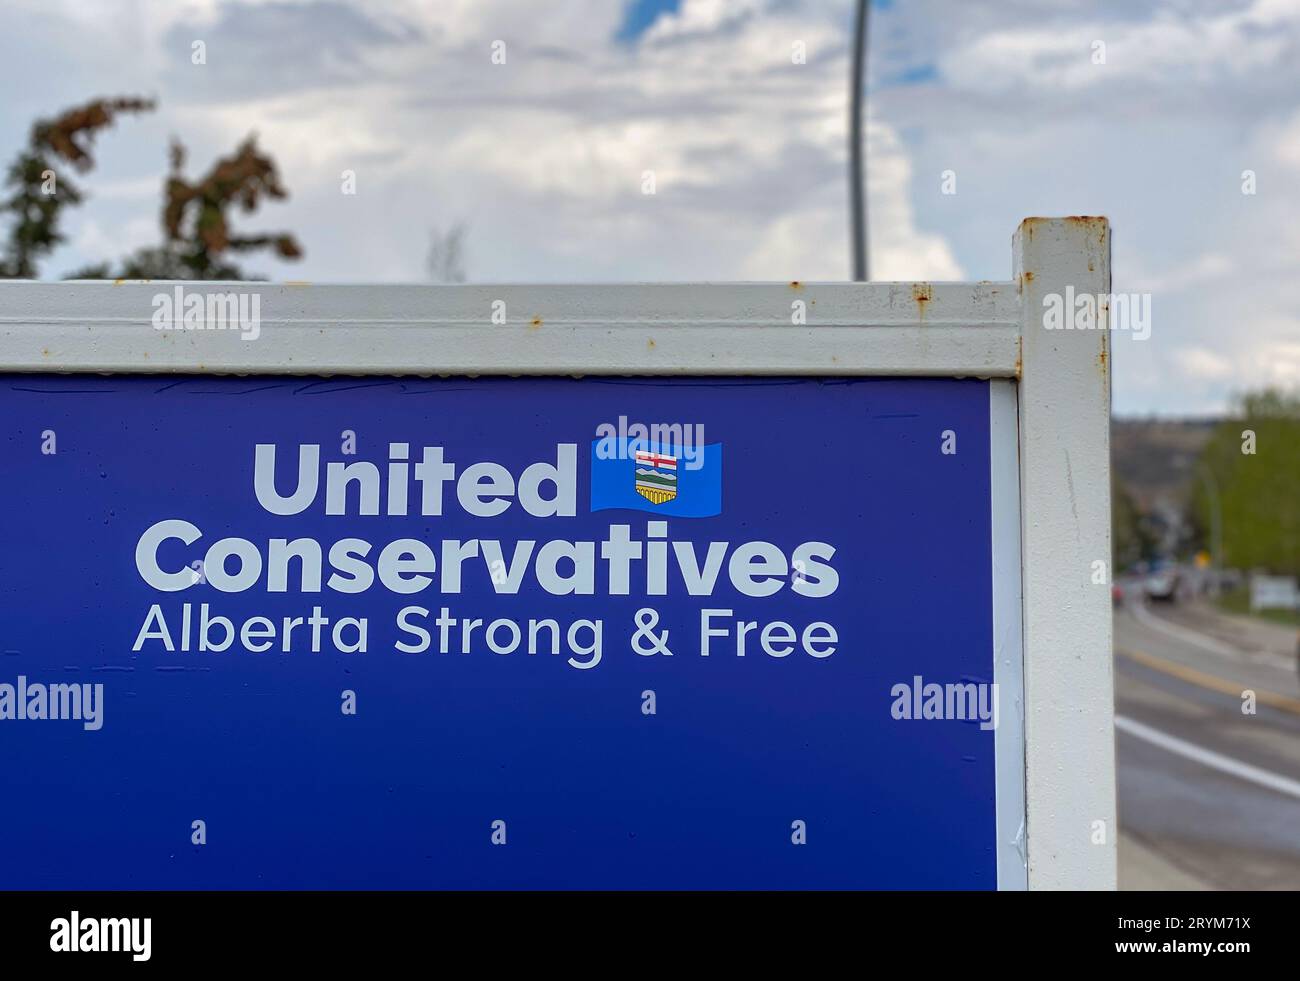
{"type": "Point", "coordinates": [922, 293]}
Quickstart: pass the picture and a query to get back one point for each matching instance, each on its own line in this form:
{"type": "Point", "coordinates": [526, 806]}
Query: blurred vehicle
{"type": "Point", "coordinates": [1162, 587]}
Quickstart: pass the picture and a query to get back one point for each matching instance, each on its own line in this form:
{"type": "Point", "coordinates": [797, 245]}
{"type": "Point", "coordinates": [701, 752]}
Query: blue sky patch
{"type": "Point", "coordinates": [641, 14]}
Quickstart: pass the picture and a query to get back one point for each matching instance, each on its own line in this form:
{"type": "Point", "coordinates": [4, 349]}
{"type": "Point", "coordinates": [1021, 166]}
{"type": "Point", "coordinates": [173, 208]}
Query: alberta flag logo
{"type": "Point", "coordinates": [656, 476]}
{"type": "Point", "coordinates": [635, 475]}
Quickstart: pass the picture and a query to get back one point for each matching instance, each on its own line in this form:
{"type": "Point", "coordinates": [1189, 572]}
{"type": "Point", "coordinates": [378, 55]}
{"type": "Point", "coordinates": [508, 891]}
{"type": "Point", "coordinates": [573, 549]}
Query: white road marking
{"type": "Point", "coordinates": [1148, 619]}
{"type": "Point", "coordinates": [1206, 757]}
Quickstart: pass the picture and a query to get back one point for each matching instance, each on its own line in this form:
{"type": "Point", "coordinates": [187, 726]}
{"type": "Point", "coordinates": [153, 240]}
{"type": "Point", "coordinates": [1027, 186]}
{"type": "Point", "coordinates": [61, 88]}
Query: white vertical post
{"type": "Point", "coordinates": [1065, 532]}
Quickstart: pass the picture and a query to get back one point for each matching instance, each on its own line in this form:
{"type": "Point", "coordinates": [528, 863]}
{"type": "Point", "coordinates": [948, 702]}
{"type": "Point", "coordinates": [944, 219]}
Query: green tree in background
{"type": "Point", "coordinates": [1259, 492]}
{"type": "Point", "coordinates": [38, 186]}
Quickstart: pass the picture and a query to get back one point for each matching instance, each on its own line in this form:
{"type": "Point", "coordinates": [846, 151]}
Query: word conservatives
{"type": "Point", "coordinates": [617, 565]}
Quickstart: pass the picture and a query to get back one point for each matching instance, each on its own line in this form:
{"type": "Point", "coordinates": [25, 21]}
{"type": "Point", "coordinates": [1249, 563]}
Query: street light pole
{"type": "Point", "coordinates": [857, 192]}
{"type": "Point", "coordinates": [1216, 519]}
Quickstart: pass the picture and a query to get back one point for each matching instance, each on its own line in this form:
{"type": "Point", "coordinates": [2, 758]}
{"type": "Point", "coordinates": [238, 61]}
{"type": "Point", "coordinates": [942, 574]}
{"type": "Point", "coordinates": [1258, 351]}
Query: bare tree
{"type": "Point", "coordinates": [446, 254]}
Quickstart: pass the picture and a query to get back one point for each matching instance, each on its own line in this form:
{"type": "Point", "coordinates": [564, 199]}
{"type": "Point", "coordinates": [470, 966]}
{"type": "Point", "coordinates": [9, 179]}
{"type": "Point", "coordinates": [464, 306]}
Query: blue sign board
{"type": "Point", "coordinates": [495, 633]}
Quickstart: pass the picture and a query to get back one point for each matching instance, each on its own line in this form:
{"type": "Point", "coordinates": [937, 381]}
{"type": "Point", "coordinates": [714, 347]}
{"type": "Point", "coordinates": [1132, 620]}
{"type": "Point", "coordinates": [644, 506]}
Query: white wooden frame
{"type": "Point", "coordinates": [1061, 382]}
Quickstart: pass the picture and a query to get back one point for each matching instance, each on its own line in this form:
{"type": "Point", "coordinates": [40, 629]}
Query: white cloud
{"type": "Point", "coordinates": [1199, 364]}
{"type": "Point", "coordinates": [93, 239]}
{"type": "Point", "coordinates": [701, 17]}
{"type": "Point", "coordinates": [543, 156]}
{"type": "Point", "coordinates": [1163, 47]}
{"type": "Point", "coordinates": [1199, 272]}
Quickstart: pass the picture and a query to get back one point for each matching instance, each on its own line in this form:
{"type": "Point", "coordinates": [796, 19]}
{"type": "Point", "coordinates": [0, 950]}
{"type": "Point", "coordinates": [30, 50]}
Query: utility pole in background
{"type": "Point", "coordinates": [857, 188]}
{"type": "Point", "coordinates": [1216, 520]}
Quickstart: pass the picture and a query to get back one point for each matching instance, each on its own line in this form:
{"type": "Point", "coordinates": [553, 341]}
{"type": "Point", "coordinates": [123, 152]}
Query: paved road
{"type": "Point", "coordinates": [1207, 789]}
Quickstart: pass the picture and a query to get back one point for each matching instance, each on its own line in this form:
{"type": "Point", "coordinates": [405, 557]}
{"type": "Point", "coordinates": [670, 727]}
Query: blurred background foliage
{"type": "Point", "coordinates": [1259, 492]}
{"type": "Point", "coordinates": [197, 238]}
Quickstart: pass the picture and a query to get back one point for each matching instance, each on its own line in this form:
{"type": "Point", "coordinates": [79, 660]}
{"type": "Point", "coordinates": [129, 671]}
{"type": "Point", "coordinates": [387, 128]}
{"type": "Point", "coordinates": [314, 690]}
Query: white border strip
{"type": "Point", "coordinates": [917, 329]}
{"type": "Point", "coordinates": [1008, 636]}
{"type": "Point", "coordinates": [1064, 398]}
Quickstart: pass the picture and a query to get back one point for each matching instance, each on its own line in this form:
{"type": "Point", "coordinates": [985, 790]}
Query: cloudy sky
{"type": "Point", "coordinates": [543, 157]}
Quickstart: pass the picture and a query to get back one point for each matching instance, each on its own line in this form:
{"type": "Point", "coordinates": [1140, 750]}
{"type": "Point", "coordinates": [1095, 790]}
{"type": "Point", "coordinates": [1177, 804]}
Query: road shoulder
{"type": "Point", "coordinates": [1143, 868]}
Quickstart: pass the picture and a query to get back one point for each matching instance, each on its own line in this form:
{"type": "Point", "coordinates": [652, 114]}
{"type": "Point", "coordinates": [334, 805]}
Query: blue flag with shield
{"type": "Point", "coordinates": [633, 474]}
